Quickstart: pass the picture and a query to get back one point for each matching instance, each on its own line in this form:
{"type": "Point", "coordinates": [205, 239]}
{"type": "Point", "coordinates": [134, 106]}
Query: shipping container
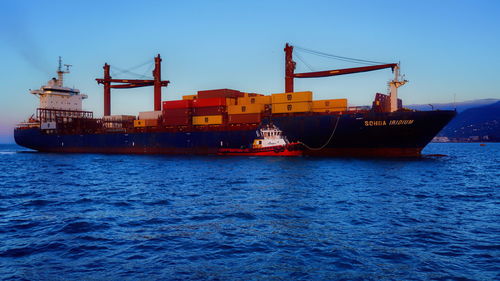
{"type": "Point", "coordinates": [231, 101]}
{"type": "Point", "coordinates": [244, 118]}
{"type": "Point", "coordinates": [255, 100]}
{"type": "Point", "coordinates": [209, 102]}
{"type": "Point", "coordinates": [210, 110]}
{"type": "Point", "coordinates": [177, 120]}
{"type": "Point", "coordinates": [292, 97]}
{"type": "Point", "coordinates": [219, 93]}
{"type": "Point", "coordinates": [189, 97]}
{"type": "Point", "coordinates": [330, 105]}
{"type": "Point", "coordinates": [149, 114]}
{"type": "Point", "coordinates": [174, 104]}
{"type": "Point", "coordinates": [252, 95]}
{"type": "Point", "coordinates": [291, 107]}
{"type": "Point", "coordinates": [177, 112]}
{"type": "Point", "coordinates": [245, 108]}
{"type": "Point", "coordinates": [118, 117]}
{"type": "Point", "coordinates": [146, 123]}
{"type": "Point", "coordinates": [208, 120]}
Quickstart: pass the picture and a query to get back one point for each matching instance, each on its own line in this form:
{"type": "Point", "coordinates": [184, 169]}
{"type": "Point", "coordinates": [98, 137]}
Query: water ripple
{"type": "Point", "coordinates": [109, 217]}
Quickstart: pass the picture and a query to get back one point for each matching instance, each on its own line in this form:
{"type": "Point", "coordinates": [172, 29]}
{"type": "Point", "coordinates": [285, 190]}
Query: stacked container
{"type": "Point", "coordinates": [209, 111]}
{"type": "Point", "coordinates": [291, 102]}
{"type": "Point", "coordinates": [248, 109]}
{"type": "Point", "coordinates": [329, 105]}
{"type": "Point", "coordinates": [177, 113]}
{"type": "Point", "coordinates": [117, 121]}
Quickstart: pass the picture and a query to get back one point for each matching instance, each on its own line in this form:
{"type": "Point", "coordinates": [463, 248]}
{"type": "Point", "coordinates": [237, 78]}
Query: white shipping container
{"type": "Point", "coordinates": [149, 115]}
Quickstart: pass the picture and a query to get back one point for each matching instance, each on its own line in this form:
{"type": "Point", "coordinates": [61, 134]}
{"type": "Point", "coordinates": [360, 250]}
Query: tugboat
{"type": "Point", "coordinates": [269, 142]}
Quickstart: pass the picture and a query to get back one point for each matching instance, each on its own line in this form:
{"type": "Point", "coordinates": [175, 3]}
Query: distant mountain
{"type": "Point", "coordinates": [475, 124]}
{"type": "Point", "coordinates": [460, 106]}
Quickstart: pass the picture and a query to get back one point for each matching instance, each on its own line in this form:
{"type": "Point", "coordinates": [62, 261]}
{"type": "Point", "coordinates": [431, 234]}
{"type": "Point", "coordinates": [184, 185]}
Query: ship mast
{"type": "Point", "coordinates": [394, 85]}
{"type": "Point", "coordinates": [60, 72]}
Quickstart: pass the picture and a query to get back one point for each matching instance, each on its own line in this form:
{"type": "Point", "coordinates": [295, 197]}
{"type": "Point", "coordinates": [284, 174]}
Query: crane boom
{"type": "Point", "coordinates": [290, 75]}
{"type": "Point", "coordinates": [336, 72]}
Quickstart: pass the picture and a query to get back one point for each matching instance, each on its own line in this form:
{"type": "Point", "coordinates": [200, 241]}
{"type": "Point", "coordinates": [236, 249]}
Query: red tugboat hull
{"type": "Point", "coordinates": [288, 150]}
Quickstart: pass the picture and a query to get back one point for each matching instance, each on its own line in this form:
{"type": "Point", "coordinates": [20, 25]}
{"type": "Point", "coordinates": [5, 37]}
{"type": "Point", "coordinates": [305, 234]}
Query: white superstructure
{"type": "Point", "coordinates": [55, 96]}
{"type": "Point", "coordinates": [269, 136]}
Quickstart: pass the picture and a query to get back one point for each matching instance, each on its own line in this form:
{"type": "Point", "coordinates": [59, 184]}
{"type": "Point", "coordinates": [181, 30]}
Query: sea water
{"type": "Point", "coordinates": [143, 217]}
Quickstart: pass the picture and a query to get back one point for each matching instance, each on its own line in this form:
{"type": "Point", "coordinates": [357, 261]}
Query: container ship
{"type": "Point", "coordinates": [232, 122]}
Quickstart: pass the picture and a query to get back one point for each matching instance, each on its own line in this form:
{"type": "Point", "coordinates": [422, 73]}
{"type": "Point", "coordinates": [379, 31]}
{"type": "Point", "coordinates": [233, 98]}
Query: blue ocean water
{"type": "Point", "coordinates": [133, 217]}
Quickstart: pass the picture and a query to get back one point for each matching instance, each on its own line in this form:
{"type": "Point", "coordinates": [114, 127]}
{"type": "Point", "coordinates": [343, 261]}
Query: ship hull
{"type": "Point", "coordinates": [397, 134]}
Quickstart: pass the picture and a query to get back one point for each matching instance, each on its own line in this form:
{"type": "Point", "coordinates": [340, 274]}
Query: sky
{"type": "Point", "coordinates": [448, 50]}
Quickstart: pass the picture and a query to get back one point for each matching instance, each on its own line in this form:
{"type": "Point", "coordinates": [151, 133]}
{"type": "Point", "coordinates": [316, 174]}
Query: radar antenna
{"type": "Point", "coordinates": [60, 72]}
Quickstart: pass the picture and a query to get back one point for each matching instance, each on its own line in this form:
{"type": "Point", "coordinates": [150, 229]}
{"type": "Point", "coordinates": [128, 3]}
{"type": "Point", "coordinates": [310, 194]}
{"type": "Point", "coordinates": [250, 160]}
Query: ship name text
{"type": "Point", "coordinates": [371, 123]}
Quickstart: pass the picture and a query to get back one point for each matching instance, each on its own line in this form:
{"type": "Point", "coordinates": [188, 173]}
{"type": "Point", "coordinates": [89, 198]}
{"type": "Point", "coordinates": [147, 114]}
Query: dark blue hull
{"type": "Point", "coordinates": [359, 134]}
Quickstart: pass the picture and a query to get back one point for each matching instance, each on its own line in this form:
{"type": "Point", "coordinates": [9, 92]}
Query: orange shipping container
{"type": "Point", "coordinates": [255, 100]}
{"type": "Point", "coordinates": [231, 101]}
{"type": "Point", "coordinates": [292, 97]}
{"type": "Point", "coordinates": [291, 107]}
{"type": "Point", "coordinates": [330, 105]}
{"type": "Point", "coordinates": [189, 97]}
{"type": "Point", "coordinates": [146, 123]}
{"type": "Point", "coordinates": [245, 108]}
{"type": "Point", "coordinates": [208, 120]}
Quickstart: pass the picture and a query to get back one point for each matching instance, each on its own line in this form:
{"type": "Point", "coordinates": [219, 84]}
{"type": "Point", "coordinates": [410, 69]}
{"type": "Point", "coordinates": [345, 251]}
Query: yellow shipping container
{"type": "Point", "coordinates": [207, 120]}
{"type": "Point", "coordinates": [292, 97]}
{"type": "Point", "coordinates": [291, 107]}
{"type": "Point", "coordinates": [330, 105]}
{"type": "Point", "coordinates": [255, 100]}
{"type": "Point", "coordinates": [189, 97]}
{"type": "Point", "coordinates": [245, 108]}
{"type": "Point", "coordinates": [145, 123]}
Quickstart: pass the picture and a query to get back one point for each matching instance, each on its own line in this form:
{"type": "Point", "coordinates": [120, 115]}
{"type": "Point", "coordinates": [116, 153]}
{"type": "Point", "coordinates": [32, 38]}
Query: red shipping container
{"type": "Point", "coordinates": [210, 110]}
{"type": "Point", "coordinates": [177, 112]}
{"type": "Point", "coordinates": [244, 118]}
{"type": "Point", "coordinates": [219, 93]}
{"type": "Point", "coordinates": [177, 120]}
{"type": "Point", "coordinates": [175, 104]}
{"type": "Point", "coordinates": [209, 102]}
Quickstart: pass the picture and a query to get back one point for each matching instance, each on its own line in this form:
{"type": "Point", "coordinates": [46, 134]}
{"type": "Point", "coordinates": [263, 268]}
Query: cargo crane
{"type": "Point", "coordinates": [157, 83]}
{"type": "Point", "coordinates": [290, 75]}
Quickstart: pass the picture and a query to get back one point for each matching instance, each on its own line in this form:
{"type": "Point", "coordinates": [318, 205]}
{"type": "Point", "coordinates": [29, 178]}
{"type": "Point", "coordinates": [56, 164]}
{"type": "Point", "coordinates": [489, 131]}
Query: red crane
{"type": "Point", "coordinates": [132, 83]}
{"type": "Point", "coordinates": [290, 69]}
{"type": "Point", "coordinates": [290, 74]}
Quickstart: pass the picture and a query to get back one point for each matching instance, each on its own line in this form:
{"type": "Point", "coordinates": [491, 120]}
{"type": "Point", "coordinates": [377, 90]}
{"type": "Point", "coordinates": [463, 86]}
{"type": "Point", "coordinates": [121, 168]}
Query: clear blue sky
{"type": "Point", "coordinates": [446, 48]}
